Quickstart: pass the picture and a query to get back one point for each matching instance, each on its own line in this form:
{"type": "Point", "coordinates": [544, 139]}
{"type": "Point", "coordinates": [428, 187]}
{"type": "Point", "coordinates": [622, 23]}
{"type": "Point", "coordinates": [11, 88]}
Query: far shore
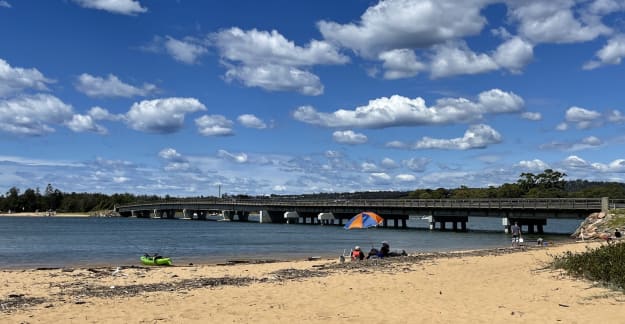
{"type": "Point", "coordinates": [43, 214]}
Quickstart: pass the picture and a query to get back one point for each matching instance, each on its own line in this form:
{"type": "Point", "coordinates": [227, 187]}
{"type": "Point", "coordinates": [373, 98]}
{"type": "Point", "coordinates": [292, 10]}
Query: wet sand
{"type": "Point", "coordinates": [488, 286]}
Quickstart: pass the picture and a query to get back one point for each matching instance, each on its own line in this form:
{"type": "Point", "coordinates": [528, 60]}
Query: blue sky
{"type": "Point", "coordinates": [287, 97]}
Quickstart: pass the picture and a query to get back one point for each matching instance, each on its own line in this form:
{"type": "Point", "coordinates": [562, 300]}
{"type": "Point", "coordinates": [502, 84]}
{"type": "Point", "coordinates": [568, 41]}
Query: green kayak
{"type": "Point", "coordinates": [155, 260]}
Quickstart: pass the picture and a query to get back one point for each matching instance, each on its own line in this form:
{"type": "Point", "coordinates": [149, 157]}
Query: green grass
{"type": "Point", "coordinates": [605, 264]}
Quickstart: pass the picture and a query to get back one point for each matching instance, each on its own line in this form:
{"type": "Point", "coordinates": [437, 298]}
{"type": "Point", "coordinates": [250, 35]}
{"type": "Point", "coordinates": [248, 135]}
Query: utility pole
{"type": "Point", "coordinates": [219, 191]}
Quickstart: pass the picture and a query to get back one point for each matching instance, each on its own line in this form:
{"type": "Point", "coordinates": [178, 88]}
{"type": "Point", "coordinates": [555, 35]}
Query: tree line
{"type": "Point", "coordinates": [547, 184]}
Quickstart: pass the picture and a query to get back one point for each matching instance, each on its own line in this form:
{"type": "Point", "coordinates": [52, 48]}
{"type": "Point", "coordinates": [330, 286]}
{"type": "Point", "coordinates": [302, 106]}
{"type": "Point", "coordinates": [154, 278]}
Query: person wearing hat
{"type": "Point", "coordinates": [384, 250]}
{"type": "Point", "coordinates": [357, 254]}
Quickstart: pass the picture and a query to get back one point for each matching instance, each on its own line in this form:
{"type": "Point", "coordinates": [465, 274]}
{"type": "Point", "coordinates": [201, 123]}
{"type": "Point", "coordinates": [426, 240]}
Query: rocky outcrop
{"type": "Point", "coordinates": [597, 226]}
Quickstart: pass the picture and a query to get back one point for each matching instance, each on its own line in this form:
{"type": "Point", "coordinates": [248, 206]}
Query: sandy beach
{"type": "Point", "coordinates": [492, 286]}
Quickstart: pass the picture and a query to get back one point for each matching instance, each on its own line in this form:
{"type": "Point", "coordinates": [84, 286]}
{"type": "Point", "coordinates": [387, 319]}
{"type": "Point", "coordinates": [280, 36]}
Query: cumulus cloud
{"type": "Point", "coordinates": [399, 24]}
{"type": "Point", "coordinates": [533, 165]}
{"type": "Point", "coordinates": [164, 115]}
{"type": "Point", "coordinates": [582, 118]}
{"type": "Point", "coordinates": [85, 123]}
{"type": "Point", "coordinates": [576, 162]}
{"type": "Point", "coordinates": [349, 137]}
{"type": "Point", "coordinates": [111, 86]}
{"type": "Point", "coordinates": [187, 50]}
{"type": "Point", "coordinates": [269, 61]}
{"type": "Point", "coordinates": [416, 164]}
{"type": "Point", "coordinates": [531, 115]}
{"type": "Point", "coordinates": [251, 121]}
{"type": "Point", "coordinates": [612, 53]}
{"type": "Point", "coordinates": [5, 4]}
{"type": "Point", "coordinates": [615, 116]}
{"type": "Point", "coordinates": [238, 158]}
{"type": "Point", "coordinates": [389, 163]}
{"type": "Point", "coordinates": [514, 54]}
{"type": "Point", "coordinates": [456, 58]}
{"type": "Point", "coordinates": [401, 63]}
{"type": "Point", "coordinates": [555, 22]}
{"type": "Point", "coordinates": [401, 111]}
{"type": "Point", "coordinates": [124, 7]}
{"type": "Point", "coordinates": [214, 125]}
{"type": "Point", "coordinates": [33, 115]}
{"type": "Point", "coordinates": [380, 178]}
{"type": "Point", "coordinates": [15, 79]}
{"type": "Point", "coordinates": [99, 113]}
{"type": "Point", "coordinates": [405, 178]}
{"type": "Point", "coordinates": [476, 137]}
{"type": "Point", "coordinates": [175, 160]}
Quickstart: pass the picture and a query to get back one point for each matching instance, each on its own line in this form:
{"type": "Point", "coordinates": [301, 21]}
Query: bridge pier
{"type": "Point", "coordinates": [454, 220]}
{"type": "Point", "coordinates": [532, 225]}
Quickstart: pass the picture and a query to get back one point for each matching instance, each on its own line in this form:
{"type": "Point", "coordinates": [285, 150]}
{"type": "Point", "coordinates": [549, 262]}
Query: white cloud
{"type": "Point", "coordinates": [583, 118]}
{"type": "Point", "coordinates": [612, 53]}
{"type": "Point", "coordinates": [536, 165]}
{"type": "Point", "coordinates": [276, 78]}
{"type": "Point", "coordinates": [111, 86]}
{"type": "Point", "coordinates": [575, 162]}
{"type": "Point", "coordinates": [85, 123]}
{"type": "Point", "coordinates": [164, 115]}
{"type": "Point", "coordinates": [187, 50]}
{"type": "Point", "coordinates": [405, 178]}
{"type": "Point", "coordinates": [555, 22]}
{"type": "Point", "coordinates": [15, 79]}
{"type": "Point", "coordinates": [120, 179]}
{"type": "Point", "coordinates": [401, 111]}
{"type": "Point", "coordinates": [531, 115]}
{"type": "Point", "coordinates": [615, 116]}
{"type": "Point", "coordinates": [214, 125]}
{"type": "Point", "coordinates": [476, 137]}
{"type": "Point", "coordinates": [269, 61]}
{"type": "Point", "coordinates": [33, 115]}
{"type": "Point", "coordinates": [405, 24]}
{"type": "Point", "coordinates": [401, 63]}
{"type": "Point", "coordinates": [369, 167]}
{"type": "Point", "coordinates": [416, 164]}
{"type": "Point", "coordinates": [380, 178]}
{"type": "Point", "coordinates": [171, 154]}
{"type": "Point", "coordinates": [99, 113]}
{"type": "Point", "coordinates": [124, 7]}
{"type": "Point", "coordinates": [251, 121]}
{"type": "Point", "coordinates": [562, 126]}
{"type": "Point", "coordinates": [585, 143]}
{"type": "Point", "coordinates": [238, 158]}
{"type": "Point", "coordinates": [614, 166]}
{"type": "Point", "coordinates": [389, 163]}
{"type": "Point", "coordinates": [456, 58]}
{"type": "Point", "coordinates": [514, 54]}
{"type": "Point", "coordinates": [5, 4]}
{"type": "Point", "coordinates": [349, 137]}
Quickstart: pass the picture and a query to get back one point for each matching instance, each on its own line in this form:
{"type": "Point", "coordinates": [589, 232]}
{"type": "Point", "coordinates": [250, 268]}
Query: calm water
{"type": "Point", "coordinates": [27, 242]}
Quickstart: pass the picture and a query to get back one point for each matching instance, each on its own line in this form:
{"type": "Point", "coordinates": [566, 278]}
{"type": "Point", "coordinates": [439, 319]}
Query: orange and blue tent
{"type": "Point", "coordinates": [364, 220]}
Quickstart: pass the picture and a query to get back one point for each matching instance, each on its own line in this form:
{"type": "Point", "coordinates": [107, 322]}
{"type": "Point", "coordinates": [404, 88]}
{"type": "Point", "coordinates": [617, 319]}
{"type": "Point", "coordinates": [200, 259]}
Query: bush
{"type": "Point", "coordinates": [605, 264]}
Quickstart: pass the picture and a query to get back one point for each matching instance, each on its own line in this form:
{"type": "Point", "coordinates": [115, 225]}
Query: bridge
{"type": "Point", "coordinates": [532, 213]}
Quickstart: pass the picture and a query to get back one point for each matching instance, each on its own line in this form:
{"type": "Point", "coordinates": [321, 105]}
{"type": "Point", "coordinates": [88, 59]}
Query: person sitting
{"type": "Point", "coordinates": [384, 250]}
{"type": "Point", "coordinates": [373, 253]}
{"type": "Point", "coordinates": [357, 254]}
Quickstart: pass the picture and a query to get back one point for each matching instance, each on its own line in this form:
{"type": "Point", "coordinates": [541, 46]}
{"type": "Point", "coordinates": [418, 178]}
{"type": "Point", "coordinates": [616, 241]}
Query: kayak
{"type": "Point", "coordinates": [150, 260]}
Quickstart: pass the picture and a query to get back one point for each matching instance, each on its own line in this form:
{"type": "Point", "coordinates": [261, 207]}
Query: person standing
{"type": "Point", "coordinates": [516, 234]}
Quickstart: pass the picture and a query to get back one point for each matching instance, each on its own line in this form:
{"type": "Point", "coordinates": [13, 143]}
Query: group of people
{"type": "Point", "coordinates": [385, 251]}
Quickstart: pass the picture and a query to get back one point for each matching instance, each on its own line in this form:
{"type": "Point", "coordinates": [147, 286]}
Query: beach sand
{"type": "Point", "coordinates": [494, 286]}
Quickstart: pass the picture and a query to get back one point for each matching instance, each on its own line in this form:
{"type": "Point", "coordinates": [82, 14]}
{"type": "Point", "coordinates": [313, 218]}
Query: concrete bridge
{"type": "Point", "coordinates": [531, 213]}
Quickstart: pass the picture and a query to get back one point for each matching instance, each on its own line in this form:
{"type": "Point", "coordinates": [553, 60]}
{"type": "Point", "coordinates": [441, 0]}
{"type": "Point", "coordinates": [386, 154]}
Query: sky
{"type": "Point", "coordinates": [196, 98]}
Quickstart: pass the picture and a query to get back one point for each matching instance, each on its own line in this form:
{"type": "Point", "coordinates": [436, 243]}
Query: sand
{"type": "Point", "coordinates": [494, 286]}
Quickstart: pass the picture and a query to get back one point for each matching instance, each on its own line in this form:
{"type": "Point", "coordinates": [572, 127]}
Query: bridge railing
{"type": "Point", "coordinates": [506, 203]}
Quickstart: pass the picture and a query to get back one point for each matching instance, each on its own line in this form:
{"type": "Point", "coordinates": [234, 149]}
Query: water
{"type": "Point", "coordinates": [30, 242]}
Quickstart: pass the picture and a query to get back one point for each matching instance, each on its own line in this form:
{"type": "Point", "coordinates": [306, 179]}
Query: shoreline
{"type": "Point", "coordinates": [485, 285]}
{"type": "Point", "coordinates": [44, 214]}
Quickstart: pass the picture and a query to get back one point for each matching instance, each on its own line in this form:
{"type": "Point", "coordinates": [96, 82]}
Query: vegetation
{"type": "Point", "coordinates": [548, 184]}
{"type": "Point", "coordinates": [605, 264]}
